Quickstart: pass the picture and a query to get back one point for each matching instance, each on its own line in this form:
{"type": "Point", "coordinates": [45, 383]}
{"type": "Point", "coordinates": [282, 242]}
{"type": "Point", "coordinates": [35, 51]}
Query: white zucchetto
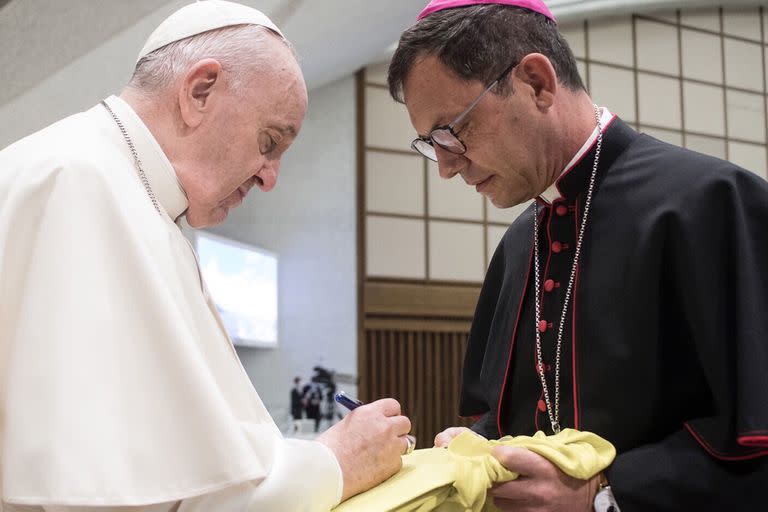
{"type": "Point", "coordinates": [203, 16]}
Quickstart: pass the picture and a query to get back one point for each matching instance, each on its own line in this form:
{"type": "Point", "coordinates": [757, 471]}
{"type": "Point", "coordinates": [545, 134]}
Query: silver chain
{"type": "Point", "coordinates": [554, 413]}
{"type": "Point", "coordinates": [136, 160]}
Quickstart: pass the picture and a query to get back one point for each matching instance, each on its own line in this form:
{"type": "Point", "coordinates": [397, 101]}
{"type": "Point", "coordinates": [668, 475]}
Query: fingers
{"type": "Point", "coordinates": [515, 491]}
{"type": "Point", "coordinates": [391, 410]}
{"type": "Point", "coordinates": [385, 413]}
{"type": "Point", "coordinates": [505, 505]}
{"type": "Point", "coordinates": [540, 486]}
{"type": "Point", "coordinates": [400, 425]}
{"type": "Point", "coordinates": [524, 462]}
{"type": "Point", "coordinates": [410, 444]}
{"type": "Point", "coordinates": [388, 406]}
{"type": "Point", "coordinates": [443, 438]}
{"type": "Point", "coordinates": [368, 443]}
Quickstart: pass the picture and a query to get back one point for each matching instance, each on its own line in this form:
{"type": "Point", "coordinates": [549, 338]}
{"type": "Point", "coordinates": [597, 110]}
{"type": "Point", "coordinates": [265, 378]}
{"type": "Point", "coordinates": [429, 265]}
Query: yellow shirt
{"type": "Point", "coordinates": [458, 478]}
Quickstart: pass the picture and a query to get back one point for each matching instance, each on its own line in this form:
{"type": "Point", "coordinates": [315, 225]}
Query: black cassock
{"type": "Point", "coordinates": [665, 345]}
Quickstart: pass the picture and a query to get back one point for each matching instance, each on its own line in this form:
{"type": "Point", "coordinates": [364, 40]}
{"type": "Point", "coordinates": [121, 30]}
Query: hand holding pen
{"type": "Point", "coordinates": [353, 403]}
{"type": "Point", "coordinates": [369, 443]}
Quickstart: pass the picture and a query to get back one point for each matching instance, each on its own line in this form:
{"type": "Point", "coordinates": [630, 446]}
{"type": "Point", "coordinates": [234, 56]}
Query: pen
{"type": "Point", "coordinates": [350, 403]}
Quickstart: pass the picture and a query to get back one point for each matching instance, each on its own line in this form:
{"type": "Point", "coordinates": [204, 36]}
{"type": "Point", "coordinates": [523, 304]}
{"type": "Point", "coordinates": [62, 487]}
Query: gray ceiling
{"type": "Point", "coordinates": [333, 37]}
{"type": "Point", "coordinates": [40, 37]}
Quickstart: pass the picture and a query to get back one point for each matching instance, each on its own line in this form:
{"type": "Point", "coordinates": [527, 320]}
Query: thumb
{"type": "Point", "coordinates": [444, 438]}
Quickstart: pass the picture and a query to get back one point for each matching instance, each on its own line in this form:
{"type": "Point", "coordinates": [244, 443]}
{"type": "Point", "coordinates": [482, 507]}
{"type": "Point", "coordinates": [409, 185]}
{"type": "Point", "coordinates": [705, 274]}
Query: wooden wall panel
{"type": "Point", "coordinates": [422, 370]}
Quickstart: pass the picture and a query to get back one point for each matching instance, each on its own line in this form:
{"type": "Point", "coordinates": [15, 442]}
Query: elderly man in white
{"type": "Point", "coordinates": [121, 389]}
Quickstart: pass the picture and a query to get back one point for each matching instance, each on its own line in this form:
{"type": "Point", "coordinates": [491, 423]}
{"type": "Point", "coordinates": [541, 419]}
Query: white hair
{"type": "Point", "coordinates": [239, 49]}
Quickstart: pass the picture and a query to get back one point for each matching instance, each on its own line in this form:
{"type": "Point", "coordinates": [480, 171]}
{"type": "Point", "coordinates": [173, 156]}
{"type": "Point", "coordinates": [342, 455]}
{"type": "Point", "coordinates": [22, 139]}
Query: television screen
{"type": "Point", "coordinates": [242, 281]}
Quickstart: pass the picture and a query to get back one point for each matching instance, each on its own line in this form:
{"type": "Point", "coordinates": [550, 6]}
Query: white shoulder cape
{"type": "Point", "coordinates": [119, 384]}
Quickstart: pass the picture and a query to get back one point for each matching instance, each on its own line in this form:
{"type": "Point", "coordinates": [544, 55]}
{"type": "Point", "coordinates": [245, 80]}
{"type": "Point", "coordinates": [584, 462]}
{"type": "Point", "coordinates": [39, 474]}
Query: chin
{"type": "Point", "coordinates": [500, 202]}
{"type": "Point", "coordinates": [505, 202]}
{"type": "Point", "coordinates": [207, 220]}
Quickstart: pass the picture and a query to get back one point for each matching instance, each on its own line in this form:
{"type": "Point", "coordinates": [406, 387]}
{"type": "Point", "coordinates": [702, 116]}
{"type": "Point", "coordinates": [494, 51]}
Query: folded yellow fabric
{"type": "Point", "coordinates": [458, 479]}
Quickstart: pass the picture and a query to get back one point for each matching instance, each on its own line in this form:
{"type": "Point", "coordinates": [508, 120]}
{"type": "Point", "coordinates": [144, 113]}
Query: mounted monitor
{"type": "Point", "coordinates": [242, 280]}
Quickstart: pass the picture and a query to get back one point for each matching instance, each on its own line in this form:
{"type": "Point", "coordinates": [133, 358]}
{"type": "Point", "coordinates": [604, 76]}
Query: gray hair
{"type": "Point", "coordinates": [239, 49]}
{"type": "Point", "coordinates": [477, 43]}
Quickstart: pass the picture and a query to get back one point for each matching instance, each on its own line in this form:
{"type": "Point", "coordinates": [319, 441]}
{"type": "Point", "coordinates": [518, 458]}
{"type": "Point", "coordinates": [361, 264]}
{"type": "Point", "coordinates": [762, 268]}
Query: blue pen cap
{"type": "Point", "coordinates": [347, 401]}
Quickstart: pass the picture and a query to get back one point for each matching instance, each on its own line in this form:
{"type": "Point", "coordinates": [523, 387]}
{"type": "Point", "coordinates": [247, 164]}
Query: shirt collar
{"type": "Point", "coordinates": [158, 169]}
{"type": "Point", "coordinates": [553, 192]}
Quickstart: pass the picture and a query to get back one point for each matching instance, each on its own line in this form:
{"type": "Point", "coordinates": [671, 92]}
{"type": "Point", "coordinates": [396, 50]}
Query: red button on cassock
{"type": "Point", "coordinates": [542, 325]}
{"type": "Point", "coordinates": [549, 285]}
{"type": "Point", "coordinates": [542, 406]}
{"type": "Point", "coordinates": [561, 210]}
{"type": "Point", "coordinates": [557, 247]}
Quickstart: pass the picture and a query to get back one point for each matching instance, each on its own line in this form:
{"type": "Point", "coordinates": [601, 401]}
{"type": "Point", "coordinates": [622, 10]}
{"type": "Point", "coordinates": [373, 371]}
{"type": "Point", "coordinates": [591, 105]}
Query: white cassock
{"type": "Point", "coordinates": [120, 386]}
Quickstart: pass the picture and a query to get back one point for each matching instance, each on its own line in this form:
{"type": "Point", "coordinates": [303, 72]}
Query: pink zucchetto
{"type": "Point", "coordinates": [440, 5]}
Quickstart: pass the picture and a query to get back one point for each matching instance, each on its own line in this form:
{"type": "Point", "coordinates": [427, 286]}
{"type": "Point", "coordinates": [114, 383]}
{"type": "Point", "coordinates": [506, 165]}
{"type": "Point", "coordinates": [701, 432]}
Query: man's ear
{"type": "Point", "coordinates": [537, 71]}
{"type": "Point", "coordinates": [198, 91]}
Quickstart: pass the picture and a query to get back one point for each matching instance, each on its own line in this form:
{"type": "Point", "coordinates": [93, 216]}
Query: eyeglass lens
{"type": "Point", "coordinates": [425, 148]}
{"type": "Point", "coordinates": [448, 141]}
{"type": "Point", "coordinates": [444, 138]}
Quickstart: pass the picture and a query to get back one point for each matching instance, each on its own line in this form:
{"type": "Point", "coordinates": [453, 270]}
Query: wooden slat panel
{"type": "Point", "coordinates": [418, 300]}
{"type": "Point", "coordinates": [416, 324]}
{"type": "Point", "coordinates": [457, 359]}
{"type": "Point", "coordinates": [430, 384]}
{"type": "Point", "coordinates": [420, 383]}
{"type": "Point", "coordinates": [440, 383]}
{"type": "Point", "coordinates": [422, 370]}
{"type": "Point", "coordinates": [411, 394]}
{"type": "Point", "coordinates": [373, 376]}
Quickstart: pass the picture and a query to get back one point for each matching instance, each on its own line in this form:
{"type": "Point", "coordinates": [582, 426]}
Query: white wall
{"type": "Point", "coordinates": [309, 221]}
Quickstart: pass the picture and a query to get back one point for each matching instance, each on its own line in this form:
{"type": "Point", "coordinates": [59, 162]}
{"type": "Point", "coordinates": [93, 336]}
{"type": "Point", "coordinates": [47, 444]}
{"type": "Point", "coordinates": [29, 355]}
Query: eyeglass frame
{"type": "Point", "coordinates": [429, 139]}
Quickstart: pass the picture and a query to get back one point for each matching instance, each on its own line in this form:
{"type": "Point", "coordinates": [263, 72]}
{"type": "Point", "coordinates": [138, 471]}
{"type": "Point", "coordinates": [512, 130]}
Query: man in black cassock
{"type": "Point", "coordinates": [630, 299]}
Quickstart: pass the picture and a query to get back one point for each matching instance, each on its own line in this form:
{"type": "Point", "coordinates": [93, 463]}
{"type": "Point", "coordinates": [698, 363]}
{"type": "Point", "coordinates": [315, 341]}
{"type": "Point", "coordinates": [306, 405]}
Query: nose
{"type": "Point", "coordinates": [267, 175]}
{"type": "Point", "coordinates": [276, 165]}
{"type": "Point", "coordinates": [449, 164]}
{"type": "Point", "coordinates": [272, 166]}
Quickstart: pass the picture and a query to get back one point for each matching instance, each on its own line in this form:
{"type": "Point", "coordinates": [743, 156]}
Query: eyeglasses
{"type": "Point", "coordinates": [445, 136]}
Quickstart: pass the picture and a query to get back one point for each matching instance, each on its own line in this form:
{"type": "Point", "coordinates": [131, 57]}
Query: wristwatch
{"type": "Point", "coordinates": [604, 500]}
